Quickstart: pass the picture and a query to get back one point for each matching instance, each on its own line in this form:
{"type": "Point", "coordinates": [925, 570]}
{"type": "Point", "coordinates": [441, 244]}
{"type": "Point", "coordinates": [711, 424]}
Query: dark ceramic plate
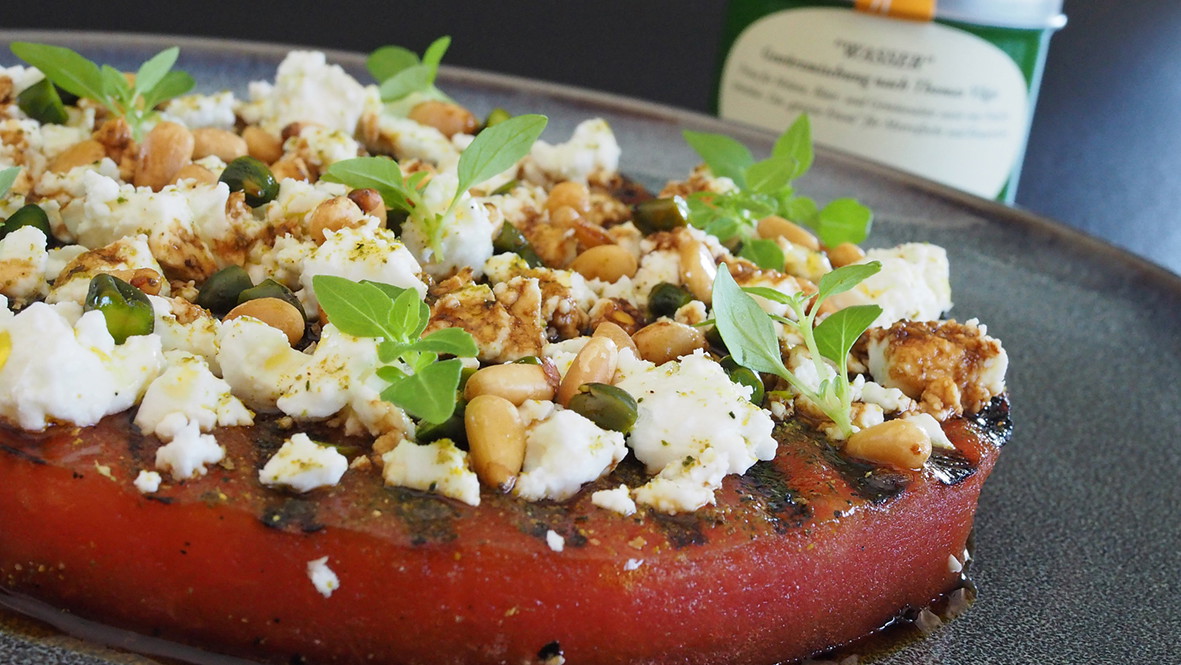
{"type": "Point", "coordinates": [1078, 538]}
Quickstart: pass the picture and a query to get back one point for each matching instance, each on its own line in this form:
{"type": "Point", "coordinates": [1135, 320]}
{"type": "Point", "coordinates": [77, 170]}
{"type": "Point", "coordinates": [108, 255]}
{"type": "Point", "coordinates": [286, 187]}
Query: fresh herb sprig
{"type": "Point", "coordinates": [418, 381]}
{"type": "Point", "coordinates": [493, 151]}
{"type": "Point", "coordinates": [155, 80]}
{"type": "Point", "coordinates": [765, 188]}
{"type": "Point", "coordinates": [7, 177]}
{"type": "Point", "coordinates": [750, 336]}
{"type": "Point", "coordinates": [400, 72]}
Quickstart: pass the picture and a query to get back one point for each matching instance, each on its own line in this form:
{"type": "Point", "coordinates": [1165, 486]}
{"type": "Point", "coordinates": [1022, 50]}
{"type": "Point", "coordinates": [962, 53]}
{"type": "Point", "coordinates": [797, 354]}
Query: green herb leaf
{"type": "Point", "coordinates": [429, 394]}
{"type": "Point", "coordinates": [447, 341]}
{"type": "Point", "coordinates": [116, 89]}
{"type": "Point", "coordinates": [799, 209]}
{"type": "Point", "coordinates": [153, 71]}
{"type": "Point", "coordinates": [796, 144]}
{"type": "Point", "coordinates": [745, 327]}
{"type": "Point", "coordinates": [360, 310]}
{"type": "Point", "coordinates": [414, 78]}
{"type": "Point", "coordinates": [391, 291]}
{"type": "Point", "coordinates": [836, 335]}
{"type": "Point", "coordinates": [723, 155]}
{"type": "Point", "coordinates": [774, 295]}
{"type": "Point", "coordinates": [380, 173]}
{"type": "Point", "coordinates": [497, 148]}
{"type": "Point", "coordinates": [65, 67]}
{"type": "Point", "coordinates": [173, 85]}
{"type": "Point", "coordinates": [7, 177]}
{"type": "Point", "coordinates": [764, 253]}
{"type": "Point", "coordinates": [844, 220]}
{"type": "Point", "coordinates": [844, 278]}
{"type": "Point", "coordinates": [433, 55]}
{"type": "Point", "coordinates": [387, 61]}
{"type": "Point", "coordinates": [770, 175]}
{"type": "Point", "coordinates": [407, 317]}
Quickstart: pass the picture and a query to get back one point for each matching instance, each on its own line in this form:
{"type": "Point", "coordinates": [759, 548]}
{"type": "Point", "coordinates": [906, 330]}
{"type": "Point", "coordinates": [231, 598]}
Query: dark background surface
{"type": "Point", "coordinates": [1104, 154]}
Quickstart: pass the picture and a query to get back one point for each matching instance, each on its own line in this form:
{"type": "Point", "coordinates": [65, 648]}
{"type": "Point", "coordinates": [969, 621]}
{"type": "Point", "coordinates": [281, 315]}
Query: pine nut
{"type": "Point", "coordinates": [291, 167]}
{"type": "Point", "coordinates": [618, 335]}
{"type": "Point", "coordinates": [514, 382]}
{"type": "Point", "coordinates": [449, 118]}
{"type": "Point", "coordinates": [896, 443]}
{"type": "Point", "coordinates": [145, 279]}
{"type": "Point", "coordinates": [775, 226]}
{"type": "Point", "coordinates": [569, 194]}
{"type": "Point", "coordinates": [227, 146]}
{"type": "Point", "coordinates": [595, 363]}
{"type": "Point", "coordinates": [79, 154]}
{"type": "Point", "coordinates": [496, 440]}
{"type": "Point", "coordinates": [663, 341]}
{"type": "Point", "coordinates": [333, 215]}
{"type": "Point", "coordinates": [276, 313]}
{"type": "Point", "coordinates": [590, 235]}
{"type": "Point", "coordinates": [698, 269]}
{"type": "Point", "coordinates": [200, 174]}
{"type": "Point", "coordinates": [605, 262]}
{"type": "Point", "coordinates": [165, 149]}
{"type": "Point", "coordinates": [565, 217]}
{"type": "Point", "coordinates": [845, 254]}
{"type": "Point", "coordinates": [262, 145]}
{"type": "Point", "coordinates": [370, 203]}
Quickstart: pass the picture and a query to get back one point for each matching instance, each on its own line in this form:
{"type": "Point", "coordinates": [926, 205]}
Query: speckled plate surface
{"type": "Point", "coordinates": [1077, 534]}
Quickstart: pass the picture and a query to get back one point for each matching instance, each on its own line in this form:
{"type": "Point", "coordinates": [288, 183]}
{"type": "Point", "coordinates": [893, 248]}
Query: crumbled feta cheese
{"type": "Point", "coordinates": [341, 368]}
{"type": "Point", "coordinates": [563, 451]}
{"type": "Point", "coordinates": [59, 257]}
{"type": "Point", "coordinates": [465, 236]}
{"type": "Point", "coordinates": [129, 253]}
{"type": "Point", "coordinates": [304, 465]}
{"type": "Point", "coordinates": [358, 254]}
{"type": "Point", "coordinates": [928, 424]}
{"type": "Point", "coordinates": [64, 371]}
{"type": "Point", "coordinates": [321, 147]}
{"type": "Point", "coordinates": [147, 482]}
{"type": "Point", "coordinates": [308, 89]}
{"type": "Point", "coordinates": [694, 426]}
{"type": "Point", "coordinates": [591, 149]}
{"type": "Point", "coordinates": [23, 260]}
{"type": "Point", "coordinates": [257, 361]}
{"type": "Point", "coordinates": [323, 577]}
{"type": "Point", "coordinates": [410, 140]}
{"type": "Point", "coordinates": [188, 387]}
{"type": "Point", "coordinates": [633, 564]}
{"type": "Point", "coordinates": [617, 499]}
{"type": "Point", "coordinates": [193, 111]}
{"type": "Point", "coordinates": [437, 467]}
{"type": "Point", "coordinates": [197, 335]}
{"type": "Point", "coordinates": [555, 540]}
{"type": "Point", "coordinates": [913, 284]}
{"type": "Point", "coordinates": [189, 451]}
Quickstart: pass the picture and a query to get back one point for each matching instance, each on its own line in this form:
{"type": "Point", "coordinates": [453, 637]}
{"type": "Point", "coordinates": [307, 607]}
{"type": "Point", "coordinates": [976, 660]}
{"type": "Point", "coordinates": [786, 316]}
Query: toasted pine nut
{"type": "Point", "coordinates": [333, 215]}
{"type": "Point", "coordinates": [79, 154]}
{"type": "Point", "coordinates": [496, 440]}
{"type": "Point", "coordinates": [605, 262]}
{"type": "Point", "coordinates": [663, 341]}
{"type": "Point", "coordinates": [569, 194]}
{"type": "Point", "coordinates": [202, 175]}
{"type": "Point", "coordinates": [775, 226]}
{"type": "Point", "coordinates": [293, 129]}
{"type": "Point", "coordinates": [590, 235]}
{"type": "Point", "coordinates": [276, 313]}
{"type": "Point", "coordinates": [165, 149]}
{"type": "Point", "coordinates": [228, 146]}
{"type": "Point", "coordinates": [595, 363]}
{"type": "Point", "coordinates": [370, 203]}
{"type": "Point", "coordinates": [897, 443]}
{"type": "Point", "coordinates": [565, 217]}
{"type": "Point", "coordinates": [291, 167]}
{"type": "Point", "coordinates": [845, 254]}
{"type": "Point", "coordinates": [262, 145]}
{"type": "Point", "coordinates": [698, 269]}
{"type": "Point", "coordinates": [447, 117]}
{"type": "Point", "coordinates": [145, 279]}
{"type": "Point", "coordinates": [616, 334]}
{"type": "Point", "coordinates": [514, 382]}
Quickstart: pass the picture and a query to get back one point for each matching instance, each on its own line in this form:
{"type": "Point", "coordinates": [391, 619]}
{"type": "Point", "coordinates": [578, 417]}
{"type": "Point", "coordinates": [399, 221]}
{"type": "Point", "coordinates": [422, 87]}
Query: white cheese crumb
{"type": "Point", "coordinates": [189, 451]}
{"type": "Point", "coordinates": [563, 451]}
{"type": "Point", "coordinates": [304, 465]}
{"type": "Point", "coordinates": [591, 149]}
{"type": "Point", "coordinates": [322, 577]}
{"type": "Point", "coordinates": [617, 499]}
{"type": "Point", "coordinates": [633, 564]}
{"type": "Point", "coordinates": [555, 540]}
{"type": "Point", "coordinates": [437, 467]}
{"type": "Point", "coordinates": [147, 482]}
{"type": "Point", "coordinates": [928, 424]}
{"type": "Point", "coordinates": [913, 284]}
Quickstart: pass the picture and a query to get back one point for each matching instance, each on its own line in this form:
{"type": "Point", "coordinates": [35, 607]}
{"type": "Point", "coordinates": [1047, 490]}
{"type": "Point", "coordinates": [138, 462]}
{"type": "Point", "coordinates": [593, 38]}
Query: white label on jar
{"type": "Point", "coordinates": [923, 97]}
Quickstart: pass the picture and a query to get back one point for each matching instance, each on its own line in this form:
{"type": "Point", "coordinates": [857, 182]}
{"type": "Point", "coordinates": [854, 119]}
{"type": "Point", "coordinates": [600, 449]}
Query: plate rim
{"type": "Point", "coordinates": [1142, 267]}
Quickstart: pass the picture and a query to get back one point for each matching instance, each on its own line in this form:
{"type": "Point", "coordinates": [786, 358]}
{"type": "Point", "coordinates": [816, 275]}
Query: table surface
{"type": "Point", "coordinates": [1104, 151]}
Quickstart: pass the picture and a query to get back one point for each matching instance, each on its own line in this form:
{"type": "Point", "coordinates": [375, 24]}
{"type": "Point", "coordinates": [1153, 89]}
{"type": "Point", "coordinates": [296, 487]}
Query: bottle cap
{"type": "Point", "coordinates": [1024, 14]}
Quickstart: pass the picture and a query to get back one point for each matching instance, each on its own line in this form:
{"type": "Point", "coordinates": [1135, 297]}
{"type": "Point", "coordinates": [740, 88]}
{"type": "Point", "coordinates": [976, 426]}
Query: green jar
{"type": "Point", "coordinates": [948, 97]}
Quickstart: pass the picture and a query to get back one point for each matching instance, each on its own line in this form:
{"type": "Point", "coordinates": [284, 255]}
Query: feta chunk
{"type": "Point", "coordinates": [913, 284]}
{"type": "Point", "coordinates": [563, 451]}
{"type": "Point", "coordinates": [188, 387]}
{"type": "Point", "coordinates": [147, 482]}
{"type": "Point", "coordinates": [189, 451]}
{"type": "Point", "coordinates": [437, 467]}
{"type": "Point", "coordinates": [193, 111]}
{"type": "Point", "coordinates": [23, 260]}
{"type": "Point", "coordinates": [357, 254]}
{"type": "Point", "coordinates": [323, 577]}
{"type": "Point", "coordinates": [617, 499]}
{"type": "Point", "coordinates": [308, 89]}
{"type": "Point", "coordinates": [465, 232]}
{"type": "Point", "coordinates": [592, 149]}
{"type": "Point", "coordinates": [555, 541]}
{"type": "Point", "coordinates": [304, 465]}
